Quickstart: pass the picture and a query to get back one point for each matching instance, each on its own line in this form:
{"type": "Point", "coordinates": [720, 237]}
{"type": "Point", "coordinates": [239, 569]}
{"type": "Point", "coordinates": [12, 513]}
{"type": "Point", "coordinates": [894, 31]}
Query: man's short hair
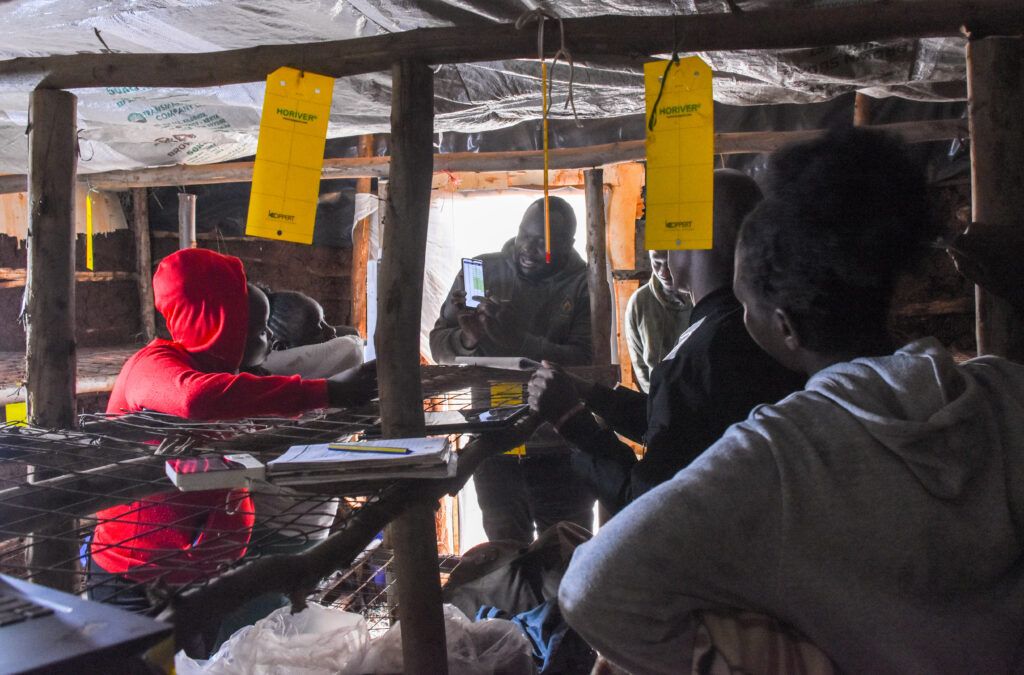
{"type": "Point", "coordinates": [735, 194]}
{"type": "Point", "coordinates": [846, 215]}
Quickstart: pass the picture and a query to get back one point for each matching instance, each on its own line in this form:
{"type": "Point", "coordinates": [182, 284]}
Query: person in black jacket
{"type": "Point", "coordinates": [539, 310]}
{"type": "Point", "coordinates": [711, 379]}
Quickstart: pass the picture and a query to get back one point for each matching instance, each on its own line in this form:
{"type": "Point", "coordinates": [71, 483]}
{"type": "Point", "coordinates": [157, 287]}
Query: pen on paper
{"type": "Point", "coordinates": [369, 448]}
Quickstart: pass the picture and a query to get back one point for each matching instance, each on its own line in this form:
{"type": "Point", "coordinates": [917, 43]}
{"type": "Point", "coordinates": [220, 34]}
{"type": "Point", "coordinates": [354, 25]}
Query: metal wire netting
{"type": "Point", "coordinates": [367, 587]}
{"type": "Point", "coordinates": [61, 486]}
{"type": "Point", "coordinates": [92, 493]}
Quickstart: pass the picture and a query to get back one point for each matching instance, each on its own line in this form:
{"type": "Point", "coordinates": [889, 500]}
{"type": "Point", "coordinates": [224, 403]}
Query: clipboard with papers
{"type": "Point", "coordinates": [378, 459]}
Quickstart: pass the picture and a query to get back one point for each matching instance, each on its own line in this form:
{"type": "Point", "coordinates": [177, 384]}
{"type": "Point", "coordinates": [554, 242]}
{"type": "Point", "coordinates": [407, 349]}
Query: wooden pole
{"type": "Point", "coordinates": [995, 90]}
{"type": "Point", "coordinates": [361, 246]}
{"type": "Point", "coordinates": [50, 305]}
{"type": "Point", "coordinates": [632, 39]}
{"type": "Point", "coordinates": [597, 269]}
{"type": "Point", "coordinates": [143, 261]}
{"type": "Point", "coordinates": [399, 305]}
{"type": "Point", "coordinates": [862, 110]}
{"type": "Point", "coordinates": [733, 143]}
{"type": "Point", "coordinates": [186, 220]}
{"type": "Point", "coordinates": [626, 183]}
{"type": "Point", "coordinates": [598, 282]}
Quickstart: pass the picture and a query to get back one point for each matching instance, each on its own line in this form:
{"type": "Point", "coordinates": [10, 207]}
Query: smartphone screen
{"type": "Point", "coordinates": [473, 280]}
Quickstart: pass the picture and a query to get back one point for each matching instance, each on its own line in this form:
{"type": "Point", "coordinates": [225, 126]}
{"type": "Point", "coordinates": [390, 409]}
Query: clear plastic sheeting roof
{"type": "Point", "coordinates": [128, 127]}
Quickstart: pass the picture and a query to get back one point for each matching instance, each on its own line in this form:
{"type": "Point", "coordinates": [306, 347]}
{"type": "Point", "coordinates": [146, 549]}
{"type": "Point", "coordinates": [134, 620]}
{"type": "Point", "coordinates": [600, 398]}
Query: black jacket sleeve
{"type": "Point", "coordinates": [610, 466]}
{"type": "Point", "coordinates": [714, 383]}
{"type": "Point", "coordinates": [624, 410]}
{"type": "Point", "coordinates": [445, 342]}
{"type": "Point", "coordinates": [602, 460]}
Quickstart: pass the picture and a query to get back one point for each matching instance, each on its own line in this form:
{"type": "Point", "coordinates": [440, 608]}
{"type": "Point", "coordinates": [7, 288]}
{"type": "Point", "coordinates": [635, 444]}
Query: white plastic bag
{"type": "Point", "coordinates": [316, 641]}
{"type": "Point", "coordinates": [489, 647]}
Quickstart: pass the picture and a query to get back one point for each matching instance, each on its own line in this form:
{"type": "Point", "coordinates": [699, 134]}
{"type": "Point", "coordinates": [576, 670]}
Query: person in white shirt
{"type": "Point", "coordinates": [304, 343]}
{"type": "Point", "coordinates": [288, 522]}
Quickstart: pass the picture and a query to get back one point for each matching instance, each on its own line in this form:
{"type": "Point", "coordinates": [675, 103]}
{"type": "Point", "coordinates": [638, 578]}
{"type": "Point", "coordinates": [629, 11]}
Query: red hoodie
{"type": "Point", "coordinates": [177, 536]}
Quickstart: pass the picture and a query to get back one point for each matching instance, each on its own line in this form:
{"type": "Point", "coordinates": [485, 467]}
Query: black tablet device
{"type": "Point", "coordinates": [469, 421]}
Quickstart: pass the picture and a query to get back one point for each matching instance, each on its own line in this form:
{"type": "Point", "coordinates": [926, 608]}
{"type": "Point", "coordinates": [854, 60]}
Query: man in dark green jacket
{"type": "Point", "coordinates": [538, 310]}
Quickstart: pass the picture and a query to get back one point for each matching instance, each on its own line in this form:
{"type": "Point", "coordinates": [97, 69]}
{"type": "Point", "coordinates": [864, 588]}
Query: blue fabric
{"type": "Point", "coordinates": [380, 577]}
{"type": "Point", "coordinates": [556, 647]}
{"type": "Point", "coordinates": [83, 551]}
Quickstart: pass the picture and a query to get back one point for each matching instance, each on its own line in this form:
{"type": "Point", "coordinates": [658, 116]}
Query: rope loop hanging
{"type": "Point", "coordinates": [673, 61]}
{"type": "Point", "coordinates": [546, 89]}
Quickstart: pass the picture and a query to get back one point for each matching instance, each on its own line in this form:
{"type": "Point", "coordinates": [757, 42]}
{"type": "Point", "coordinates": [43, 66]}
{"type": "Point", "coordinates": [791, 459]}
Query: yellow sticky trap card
{"type": "Point", "coordinates": [680, 155]}
{"type": "Point", "coordinates": [508, 393]}
{"type": "Point", "coordinates": [16, 414]}
{"type": "Point", "coordinates": [88, 230]}
{"type": "Point", "coordinates": [289, 156]}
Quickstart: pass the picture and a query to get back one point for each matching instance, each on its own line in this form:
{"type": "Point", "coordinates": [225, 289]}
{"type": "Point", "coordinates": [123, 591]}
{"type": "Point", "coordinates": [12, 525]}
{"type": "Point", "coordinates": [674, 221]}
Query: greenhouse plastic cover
{"type": "Point", "coordinates": [128, 127]}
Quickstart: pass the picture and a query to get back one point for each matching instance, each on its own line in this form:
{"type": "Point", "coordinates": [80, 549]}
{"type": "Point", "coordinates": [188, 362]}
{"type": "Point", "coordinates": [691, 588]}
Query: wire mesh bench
{"type": "Point", "coordinates": [111, 461]}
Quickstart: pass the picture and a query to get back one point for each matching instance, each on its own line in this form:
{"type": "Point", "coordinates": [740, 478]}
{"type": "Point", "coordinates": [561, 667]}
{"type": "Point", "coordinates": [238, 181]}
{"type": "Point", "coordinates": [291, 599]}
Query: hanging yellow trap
{"type": "Point", "coordinates": [289, 156]}
{"type": "Point", "coordinates": [680, 154]}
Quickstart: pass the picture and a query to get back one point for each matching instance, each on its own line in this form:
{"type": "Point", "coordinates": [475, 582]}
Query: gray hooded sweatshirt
{"type": "Point", "coordinates": [880, 511]}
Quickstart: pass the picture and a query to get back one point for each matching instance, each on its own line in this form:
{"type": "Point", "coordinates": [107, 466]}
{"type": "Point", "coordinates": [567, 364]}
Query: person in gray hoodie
{"type": "Point", "coordinates": [880, 511]}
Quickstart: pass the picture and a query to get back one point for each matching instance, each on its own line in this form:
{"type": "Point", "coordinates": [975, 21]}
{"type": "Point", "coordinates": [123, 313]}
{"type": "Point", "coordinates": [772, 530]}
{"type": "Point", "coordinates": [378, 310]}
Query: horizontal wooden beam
{"type": "Point", "coordinates": [14, 277]}
{"type": "Point", "coordinates": [631, 38]}
{"type": "Point", "coordinates": [206, 236]}
{"type": "Point", "coordinates": [463, 181]}
{"type": "Point", "coordinates": [83, 385]}
{"type": "Point", "coordinates": [591, 156]}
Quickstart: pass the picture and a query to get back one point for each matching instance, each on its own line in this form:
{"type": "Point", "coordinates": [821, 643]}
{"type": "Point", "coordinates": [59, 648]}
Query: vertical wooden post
{"type": "Point", "coordinates": [361, 246]}
{"type": "Point", "coordinates": [50, 304]}
{"type": "Point", "coordinates": [143, 262]}
{"type": "Point", "coordinates": [861, 109]}
{"type": "Point", "coordinates": [626, 182]}
{"type": "Point", "coordinates": [597, 269]}
{"type": "Point", "coordinates": [399, 305]}
{"type": "Point", "coordinates": [995, 91]}
{"type": "Point", "coordinates": [186, 220]}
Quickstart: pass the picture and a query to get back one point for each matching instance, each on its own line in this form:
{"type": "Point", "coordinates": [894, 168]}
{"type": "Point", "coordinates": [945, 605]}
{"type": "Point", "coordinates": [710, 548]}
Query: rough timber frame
{"type": "Point", "coordinates": [591, 156]}
{"type": "Point", "coordinates": [629, 38]}
{"type": "Point", "coordinates": [623, 37]}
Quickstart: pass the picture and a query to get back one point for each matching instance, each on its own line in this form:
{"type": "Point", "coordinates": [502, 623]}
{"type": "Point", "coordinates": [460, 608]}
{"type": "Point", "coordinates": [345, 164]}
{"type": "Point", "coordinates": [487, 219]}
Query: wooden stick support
{"type": "Point", "coordinates": [597, 269]}
{"type": "Point", "coordinates": [587, 37]}
{"type": "Point", "coordinates": [606, 154]}
{"type": "Point", "coordinates": [50, 304]}
{"type": "Point", "coordinates": [186, 220]}
{"type": "Point", "coordinates": [399, 305]}
{"type": "Point", "coordinates": [626, 183]}
{"type": "Point", "coordinates": [995, 89]}
{"type": "Point", "coordinates": [862, 110]}
{"type": "Point", "coordinates": [143, 262]}
{"type": "Point", "coordinates": [361, 246]}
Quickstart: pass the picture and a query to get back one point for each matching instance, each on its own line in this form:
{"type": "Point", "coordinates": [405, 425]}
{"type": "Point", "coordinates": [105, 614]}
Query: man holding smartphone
{"type": "Point", "coordinates": [539, 310]}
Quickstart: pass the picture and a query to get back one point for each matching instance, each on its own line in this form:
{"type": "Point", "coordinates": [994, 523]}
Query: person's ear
{"type": "Point", "coordinates": [786, 329]}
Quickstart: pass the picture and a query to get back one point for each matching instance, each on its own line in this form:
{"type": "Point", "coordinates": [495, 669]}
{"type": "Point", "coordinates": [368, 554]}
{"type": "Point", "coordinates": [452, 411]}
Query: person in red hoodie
{"type": "Point", "coordinates": [218, 324]}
